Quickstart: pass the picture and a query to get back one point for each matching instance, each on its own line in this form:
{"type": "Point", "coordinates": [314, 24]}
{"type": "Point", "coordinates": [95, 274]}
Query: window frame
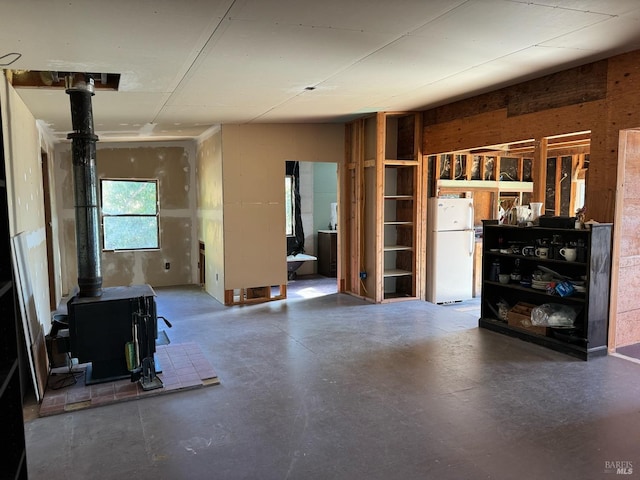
{"type": "Point", "coordinates": [154, 181]}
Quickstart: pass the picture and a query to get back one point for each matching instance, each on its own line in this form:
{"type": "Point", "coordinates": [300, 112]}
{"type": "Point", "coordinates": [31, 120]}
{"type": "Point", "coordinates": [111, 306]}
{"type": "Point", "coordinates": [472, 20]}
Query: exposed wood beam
{"type": "Point", "coordinates": [539, 171]}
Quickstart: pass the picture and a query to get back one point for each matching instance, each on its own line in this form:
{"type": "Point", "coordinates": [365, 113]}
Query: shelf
{"type": "Point", "coordinates": [397, 273]}
{"type": "Point", "coordinates": [501, 185]}
{"type": "Point", "coordinates": [513, 286]}
{"type": "Point", "coordinates": [5, 376]}
{"type": "Point", "coordinates": [5, 287]}
{"type": "Point", "coordinates": [391, 162]}
{"type": "Point", "coordinates": [593, 315]}
{"type": "Point", "coordinates": [544, 261]}
{"type": "Point", "coordinates": [396, 248]}
{"type": "Point", "coordinates": [578, 351]}
{"type": "Point", "coordinates": [390, 296]}
{"type": "Point", "coordinates": [398, 197]}
{"type": "Point", "coordinates": [400, 224]}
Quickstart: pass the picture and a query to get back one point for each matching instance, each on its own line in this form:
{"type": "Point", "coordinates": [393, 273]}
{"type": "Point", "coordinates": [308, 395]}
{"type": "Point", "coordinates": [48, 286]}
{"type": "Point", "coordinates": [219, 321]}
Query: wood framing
{"type": "Point", "coordinates": [251, 295]}
{"type": "Point", "coordinates": [384, 185]}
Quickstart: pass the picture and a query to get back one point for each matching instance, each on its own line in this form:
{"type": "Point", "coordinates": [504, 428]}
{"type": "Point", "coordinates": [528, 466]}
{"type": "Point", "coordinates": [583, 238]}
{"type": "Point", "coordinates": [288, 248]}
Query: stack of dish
{"type": "Point", "coordinates": [579, 287]}
{"type": "Point", "coordinates": [539, 284]}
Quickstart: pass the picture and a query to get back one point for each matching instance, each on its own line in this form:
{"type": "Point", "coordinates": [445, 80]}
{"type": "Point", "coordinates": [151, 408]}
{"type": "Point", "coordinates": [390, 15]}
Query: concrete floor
{"type": "Point", "coordinates": [336, 388]}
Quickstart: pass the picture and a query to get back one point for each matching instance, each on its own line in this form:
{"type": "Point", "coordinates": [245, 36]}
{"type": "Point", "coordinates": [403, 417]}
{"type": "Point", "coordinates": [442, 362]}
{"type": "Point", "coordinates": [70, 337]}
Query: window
{"type": "Point", "coordinates": [289, 202]}
{"type": "Point", "coordinates": [130, 214]}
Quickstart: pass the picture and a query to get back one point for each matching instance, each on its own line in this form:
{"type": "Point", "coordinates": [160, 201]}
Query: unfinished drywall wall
{"type": "Point", "coordinates": [24, 186]}
{"type": "Point", "coordinates": [22, 147]}
{"type": "Point", "coordinates": [209, 196]}
{"type": "Point", "coordinates": [253, 172]}
{"type": "Point", "coordinates": [173, 165]}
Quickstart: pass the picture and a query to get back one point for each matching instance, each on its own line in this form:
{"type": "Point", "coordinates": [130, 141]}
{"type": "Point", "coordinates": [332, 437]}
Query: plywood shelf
{"type": "Point", "coordinates": [397, 273]}
{"type": "Point", "coordinates": [389, 162]}
{"type": "Point", "coordinates": [397, 248]}
{"type": "Point", "coordinates": [398, 197]}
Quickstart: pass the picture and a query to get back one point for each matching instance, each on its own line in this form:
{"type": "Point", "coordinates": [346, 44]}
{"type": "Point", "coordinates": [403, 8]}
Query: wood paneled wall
{"type": "Point", "coordinates": [602, 97]}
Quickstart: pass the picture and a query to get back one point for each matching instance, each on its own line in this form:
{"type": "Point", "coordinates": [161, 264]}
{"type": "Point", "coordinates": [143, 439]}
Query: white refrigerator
{"type": "Point", "coordinates": [450, 247]}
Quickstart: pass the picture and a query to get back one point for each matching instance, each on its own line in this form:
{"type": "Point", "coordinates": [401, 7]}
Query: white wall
{"type": "Point", "coordinates": [253, 171]}
{"type": "Point", "coordinates": [22, 145]}
{"type": "Point", "coordinates": [210, 210]}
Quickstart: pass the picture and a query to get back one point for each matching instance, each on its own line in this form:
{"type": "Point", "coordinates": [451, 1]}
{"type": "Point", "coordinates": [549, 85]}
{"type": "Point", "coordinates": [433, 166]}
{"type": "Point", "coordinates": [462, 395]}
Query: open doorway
{"type": "Point", "coordinates": [317, 187]}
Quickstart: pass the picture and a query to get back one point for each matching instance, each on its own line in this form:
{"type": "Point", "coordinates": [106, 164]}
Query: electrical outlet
{"type": "Point", "coordinates": [363, 275]}
{"type": "Point", "coordinates": [167, 266]}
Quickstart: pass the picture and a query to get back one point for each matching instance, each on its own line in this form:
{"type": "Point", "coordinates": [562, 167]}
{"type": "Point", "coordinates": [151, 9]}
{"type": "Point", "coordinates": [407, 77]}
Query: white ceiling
{"type": "Point", "coordinates": [189, 64]}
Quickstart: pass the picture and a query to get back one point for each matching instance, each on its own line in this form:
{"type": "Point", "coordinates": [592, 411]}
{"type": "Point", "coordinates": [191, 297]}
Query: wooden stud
{"type": "Point", "coordinates": [539, 171]}
{"type": "Point", "coordinates": [520, 169]}
{"type": "Point", "coordinates": [379, 211]}
{"type": "Point", "coordinates": [558, 187]}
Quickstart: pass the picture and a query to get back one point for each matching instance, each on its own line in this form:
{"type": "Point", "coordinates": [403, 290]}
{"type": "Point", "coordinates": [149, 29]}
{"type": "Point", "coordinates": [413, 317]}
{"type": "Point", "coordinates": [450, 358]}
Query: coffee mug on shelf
{"type": "Point", "coordinates": [569, 254]}
{"type": "Point", "coordinates": [529, 251]}
{"type": "Point", "coordinates": [542, 252]}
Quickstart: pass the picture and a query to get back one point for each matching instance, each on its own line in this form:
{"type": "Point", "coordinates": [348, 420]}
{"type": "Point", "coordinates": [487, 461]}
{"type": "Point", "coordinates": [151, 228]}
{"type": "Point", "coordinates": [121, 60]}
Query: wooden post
{"type": "Point", "coordinates": [539, 171]}
{"type": "Point", "coordinates": [558, 186]}
{"type": "Point", "coordinates": [381, 127]}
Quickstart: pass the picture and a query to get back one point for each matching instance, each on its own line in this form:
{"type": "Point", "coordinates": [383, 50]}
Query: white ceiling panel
{"type": "Point", "coordinates": [396, 17]}
{"type": "Point", "coordinates": [605, 36]}
{"type": "Point", "coordinates": [491, 28]}
{"type": "Point", "coordinates": [150, 41]}
{"type": "Point", "coordinates": [188, 65]}
{"type": "Point", "coordinates": [616, 7]}
{"type": "Point", "coordinates": [273, 60]}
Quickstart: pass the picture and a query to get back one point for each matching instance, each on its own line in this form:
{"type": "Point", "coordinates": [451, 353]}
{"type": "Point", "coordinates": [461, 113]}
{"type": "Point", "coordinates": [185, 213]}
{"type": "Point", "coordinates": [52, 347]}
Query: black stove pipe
{"type": "Point", "coordinates": [85, 186]}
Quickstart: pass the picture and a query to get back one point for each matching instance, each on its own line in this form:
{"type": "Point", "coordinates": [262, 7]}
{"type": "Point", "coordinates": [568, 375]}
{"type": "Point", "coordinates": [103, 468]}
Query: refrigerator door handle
{"type": "Point", "coordinates": [472, 242]}
{"type": "Point", "coordinates": [470, 215]}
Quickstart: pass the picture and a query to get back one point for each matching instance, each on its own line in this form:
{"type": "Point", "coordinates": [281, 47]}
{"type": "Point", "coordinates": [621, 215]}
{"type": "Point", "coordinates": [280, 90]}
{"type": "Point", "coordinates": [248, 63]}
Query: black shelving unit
{"type": "Point", "coordinates": [593, 266]}
{"type": "Point", "coordinates": [13, 462]}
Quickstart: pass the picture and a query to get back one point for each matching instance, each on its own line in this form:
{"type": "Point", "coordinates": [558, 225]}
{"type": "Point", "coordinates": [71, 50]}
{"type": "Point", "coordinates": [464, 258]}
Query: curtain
{"type": "Point", "coordinates": [295, 244]}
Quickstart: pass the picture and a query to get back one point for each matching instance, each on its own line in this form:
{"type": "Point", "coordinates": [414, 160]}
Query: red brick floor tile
{"type": "Point", "coordinates": [184, 366]}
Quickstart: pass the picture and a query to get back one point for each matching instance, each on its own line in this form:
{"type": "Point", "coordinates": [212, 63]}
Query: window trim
{"type": "Point", "coordinates": [157, 214]}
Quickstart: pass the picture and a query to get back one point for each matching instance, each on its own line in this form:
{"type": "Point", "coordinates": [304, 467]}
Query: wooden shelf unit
{"type": "Point", "coordinates": [383, 189]}
{"type": "Point", "coordinates": [589, 338]}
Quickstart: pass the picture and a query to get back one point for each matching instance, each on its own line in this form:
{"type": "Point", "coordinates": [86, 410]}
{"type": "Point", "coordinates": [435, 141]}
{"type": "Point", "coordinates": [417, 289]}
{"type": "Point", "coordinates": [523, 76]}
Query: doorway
{"type": "Point", "coordinates": [318, 198]}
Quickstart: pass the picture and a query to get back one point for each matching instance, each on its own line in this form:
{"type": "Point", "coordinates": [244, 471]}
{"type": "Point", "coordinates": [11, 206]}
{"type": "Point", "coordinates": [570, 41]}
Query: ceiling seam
{"type": "Point", "coordinates": [226, 19]}
{"type": "Point", "coordinates": [361, 59]}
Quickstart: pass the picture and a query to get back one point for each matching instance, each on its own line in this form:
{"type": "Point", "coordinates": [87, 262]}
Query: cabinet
{"type": "Point", "coordinates": [591, 272]}
{"type": "Point", "coordinates": [328, 252]}
{"type": "Point", "coordinates": [12, 457]}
